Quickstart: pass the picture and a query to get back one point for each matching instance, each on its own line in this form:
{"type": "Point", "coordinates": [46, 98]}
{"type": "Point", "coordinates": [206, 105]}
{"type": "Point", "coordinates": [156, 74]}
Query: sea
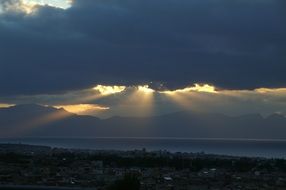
{"type": "Point", "coordinates": [232, 147]}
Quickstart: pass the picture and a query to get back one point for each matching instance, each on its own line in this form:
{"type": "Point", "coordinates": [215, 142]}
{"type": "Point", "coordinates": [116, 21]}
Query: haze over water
{"type": "Point", "coordinates": [249, 148]}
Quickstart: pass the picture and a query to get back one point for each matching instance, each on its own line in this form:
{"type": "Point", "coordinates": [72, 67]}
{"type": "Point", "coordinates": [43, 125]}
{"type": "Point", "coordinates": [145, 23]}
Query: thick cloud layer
{"type": "Point", "coordinates": [132, 102]}
{"type": "Point", "coordinates": [231, 44]}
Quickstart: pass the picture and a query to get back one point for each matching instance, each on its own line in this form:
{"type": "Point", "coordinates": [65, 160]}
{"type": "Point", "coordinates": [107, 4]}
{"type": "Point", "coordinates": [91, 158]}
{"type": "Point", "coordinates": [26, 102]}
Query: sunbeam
{"type": "Point", "coordinates": [143, 99]}
{"type": "Point", "coordinates": [48, 118]}
{"type": "Point", "coordinates": [183, 97]}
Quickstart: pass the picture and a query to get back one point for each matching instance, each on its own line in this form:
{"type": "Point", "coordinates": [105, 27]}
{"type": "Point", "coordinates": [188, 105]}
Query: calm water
{"type": "Point", "coordinates": [251, 148]}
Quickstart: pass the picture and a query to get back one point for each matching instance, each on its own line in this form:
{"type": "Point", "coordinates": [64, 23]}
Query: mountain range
{"type": "Point", "coordinates": [32, 120]}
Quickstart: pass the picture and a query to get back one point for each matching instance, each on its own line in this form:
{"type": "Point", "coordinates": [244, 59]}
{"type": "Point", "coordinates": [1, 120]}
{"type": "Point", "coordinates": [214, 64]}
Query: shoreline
{"type": "Point", "coordinates": [20, 148]}
{"type": "Point", "coordinates": [242, 148]}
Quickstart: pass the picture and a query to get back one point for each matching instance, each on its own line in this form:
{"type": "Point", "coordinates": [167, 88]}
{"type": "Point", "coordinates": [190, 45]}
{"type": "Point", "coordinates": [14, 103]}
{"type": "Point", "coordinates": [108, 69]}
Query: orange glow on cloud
{"type": "Point", "coordinates": [198, 88]}
{"type": "Point", "coordinates": [108, 90]}
{"type": "Point", "coordinates": [145, 89]}
{"type": "Point", "coordinates": [270, 90]}
{"type": "Point", "coordinates": [6, 105]}
{"type": "Point", "coordinates": [82, 108]}
{"type": "Point", "coordinates": [184, 97]}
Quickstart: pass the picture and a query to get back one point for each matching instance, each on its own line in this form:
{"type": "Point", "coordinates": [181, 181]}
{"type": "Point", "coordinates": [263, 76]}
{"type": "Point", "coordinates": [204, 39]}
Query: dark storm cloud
{"type": "Point", "coordinates": [231, 44]}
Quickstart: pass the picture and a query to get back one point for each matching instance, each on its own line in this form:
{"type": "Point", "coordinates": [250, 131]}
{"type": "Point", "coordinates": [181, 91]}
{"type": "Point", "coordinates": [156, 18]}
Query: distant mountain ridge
{"type": "Point", "coordinates": [36, 120]}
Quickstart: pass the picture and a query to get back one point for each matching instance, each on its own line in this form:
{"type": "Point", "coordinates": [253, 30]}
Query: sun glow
{"type": "Point", "coordinates": [184, 97]}
{"type": "Point", "coordinates": [83, 108]}
{"type": "Point", "coordinates": [108, 90]}
{"type": "Point", "coordinates": [145, 89]}
{"type": "Point", "coordinates": [6, 105]}
{"type": "Point", "coordinates": [141, 99]}
{"type": "Point", "coordinates": [197, 88]}
{"type": "Point", "coordinates": [63, 4]}
{"type": "Point", "coordinates": [270, 90]}
{"type": "Point", "coordinates": [181, 98]}
{"type": "Point", "coordinates": [30, 6]}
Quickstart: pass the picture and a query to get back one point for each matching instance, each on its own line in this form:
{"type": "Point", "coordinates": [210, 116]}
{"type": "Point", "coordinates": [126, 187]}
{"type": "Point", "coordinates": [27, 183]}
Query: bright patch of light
{"type": "Point", "coordinates": [6, 105]}
{"type": "Point", "coordinates": [141, 99]}
{"type": "Point", "coordinates": [108, 90]}
{"type": "Point", "coordinates": [27, 8]}
{"type": "Point", "coordinates": [30, 6]}
{"type": "Point", "coordinates": [82, 108]}
{"type": "Point", "coordinates": [63, 4]}
{"type": "Point", "coordinates": [198, 88]}
{"type": "Point", "coordinates": [270, 90]}
{"type": "Point", "coordinates": [145, 89]}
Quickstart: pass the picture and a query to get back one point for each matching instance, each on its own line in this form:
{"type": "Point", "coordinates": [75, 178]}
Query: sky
{"type": "Point", "coordinates": [144, 57]}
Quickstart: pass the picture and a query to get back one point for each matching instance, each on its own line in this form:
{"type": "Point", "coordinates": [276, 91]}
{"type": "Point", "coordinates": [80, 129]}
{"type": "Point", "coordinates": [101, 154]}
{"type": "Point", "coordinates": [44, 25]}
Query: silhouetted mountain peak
{"type": "Point", "coordinates": [50, 121]}
{"type": "Point", "coordinates": [32, 109]}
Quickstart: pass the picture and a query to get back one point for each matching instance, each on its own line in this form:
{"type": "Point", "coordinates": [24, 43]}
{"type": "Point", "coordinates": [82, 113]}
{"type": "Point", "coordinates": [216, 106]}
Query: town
{"type": "Point", "coordinates": [41, 166]}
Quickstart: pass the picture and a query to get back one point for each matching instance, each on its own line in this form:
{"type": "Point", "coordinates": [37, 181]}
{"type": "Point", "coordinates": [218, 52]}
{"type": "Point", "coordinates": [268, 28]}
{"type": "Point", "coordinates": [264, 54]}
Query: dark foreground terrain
{"type": "Point", "coordinates": [40, 167]}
